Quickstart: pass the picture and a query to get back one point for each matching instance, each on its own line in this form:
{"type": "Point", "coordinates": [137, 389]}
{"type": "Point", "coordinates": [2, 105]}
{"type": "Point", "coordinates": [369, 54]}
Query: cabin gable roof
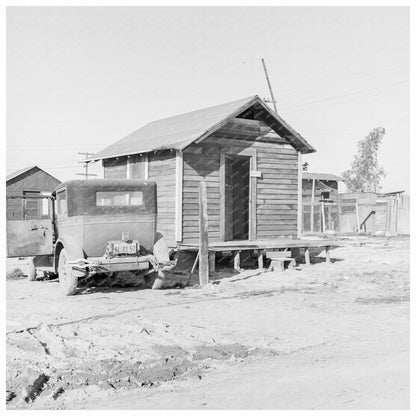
{"type": "Point", "coordinates": [29, 170]}
{"type": "Point", "coordinates": [180, 131]}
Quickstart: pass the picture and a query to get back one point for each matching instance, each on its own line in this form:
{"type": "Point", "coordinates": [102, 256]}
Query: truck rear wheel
{"type": "Point", "coordinates": [67, 279]}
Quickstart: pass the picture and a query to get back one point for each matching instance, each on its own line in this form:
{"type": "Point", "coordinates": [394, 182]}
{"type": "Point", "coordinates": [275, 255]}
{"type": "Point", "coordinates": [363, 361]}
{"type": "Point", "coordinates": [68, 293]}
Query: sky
{"type": "Point", "coordinates": [81, 78]}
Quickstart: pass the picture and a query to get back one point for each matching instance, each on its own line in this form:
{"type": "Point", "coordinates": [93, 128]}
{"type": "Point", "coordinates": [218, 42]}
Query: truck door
{"type": "Point", "coordinates": [29, 226]}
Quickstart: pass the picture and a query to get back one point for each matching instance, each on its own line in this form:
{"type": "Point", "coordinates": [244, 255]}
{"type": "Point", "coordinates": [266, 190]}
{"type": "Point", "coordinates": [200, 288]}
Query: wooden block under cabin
{"type": "Point", "coordinates": [278, 254]}
{"type": "Point", "coordinates": [279, 264]}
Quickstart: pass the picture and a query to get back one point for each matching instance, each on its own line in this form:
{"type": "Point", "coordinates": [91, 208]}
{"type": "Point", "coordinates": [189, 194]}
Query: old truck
{"type": "Point", "coordinates": [91, 227]}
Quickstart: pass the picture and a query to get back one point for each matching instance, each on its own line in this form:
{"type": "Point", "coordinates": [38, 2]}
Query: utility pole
{"type": "Point", "coordinates": [86, 174]}
{"type": "Point", "coordinates": [270, 85]}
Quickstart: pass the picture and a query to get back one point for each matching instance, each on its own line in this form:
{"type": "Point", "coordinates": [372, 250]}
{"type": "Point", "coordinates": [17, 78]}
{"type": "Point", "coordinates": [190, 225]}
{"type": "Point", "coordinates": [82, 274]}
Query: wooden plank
{"type": "Point", "coordinates": [300, 216]}
{"type": "Point", "coordinates": [268, 201]}
{"type": "Point", "coordinates": [203, 236]}
{"type": "Point", "coordinates": [264, 244]}
{"type": "Point", "coordinates": [307, 256]}
{"type": "Point", "coordinates": [312, 203]}
{"type": "Point", "coordinates": [211, 261]}
{"type": "Point", "coordinates": [178, 195]}
{"type": "Point", "coordinates": [260, 261]}
{"type": "Point", "coordinates": [273, 166]}
{"type": "Point", "coordinates": [222, 196]}
{"type": "Point", "coordinates": [288, 196]}
{"type": "Point", "coordinates": [253, 199]}
{"type": "Point", "coordinates": [237, 260]}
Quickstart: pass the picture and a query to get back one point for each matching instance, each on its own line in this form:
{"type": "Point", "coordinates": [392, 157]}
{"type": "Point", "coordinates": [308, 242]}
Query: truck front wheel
{"type": "Point", "coordinates": [67, 279]}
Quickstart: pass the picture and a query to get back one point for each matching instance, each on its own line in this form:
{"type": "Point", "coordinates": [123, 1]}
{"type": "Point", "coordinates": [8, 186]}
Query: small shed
{"type": "Point", "coordinates": [319, 195]}
{"type": "Point", "coordinates": [250, 158]}
{"type": "Point", "coordinates": [30, 181]}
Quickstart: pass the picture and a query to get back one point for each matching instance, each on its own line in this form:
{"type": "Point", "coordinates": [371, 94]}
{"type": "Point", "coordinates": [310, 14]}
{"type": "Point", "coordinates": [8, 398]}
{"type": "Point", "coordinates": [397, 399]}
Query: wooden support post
{"type": "Point", "coordinates": [237, 260]}
{"type": "Point", "coordinates": [203, 234]}
{"type": "Point", "coordinates": [146, 167]}
{"type": "Point", "coordinates": [388, 218]}
{"type": "Point", "coordinates": [260, 261]}
{"type": "Point", "coordinates": [312, 203]}
{"type": "Point", "coordinates": [357, 214]}
{"type": "Point", "coordinates": [300, 215]}
{"type": "Point", "coordinates": [323, 217]}
{"type": "Point", "coordinates": [195, 263]}
{"type": "Point", "coordinates": [178, 195]}
{"type": "Point", "coordinates": [328, 254]}
{"type": "Point", "coordinates": [211, 261]}
{"type": "Point", "coordinates": [307, 256]}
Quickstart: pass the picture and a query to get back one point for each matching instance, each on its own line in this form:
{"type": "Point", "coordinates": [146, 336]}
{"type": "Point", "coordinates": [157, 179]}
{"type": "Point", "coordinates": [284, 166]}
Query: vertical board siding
{"type": "Point", "coordinates": [162, 170]}
{"type": "Point", "coordinates": [276, 190]}
{"type": "Point", "coordinates": [200, 161]}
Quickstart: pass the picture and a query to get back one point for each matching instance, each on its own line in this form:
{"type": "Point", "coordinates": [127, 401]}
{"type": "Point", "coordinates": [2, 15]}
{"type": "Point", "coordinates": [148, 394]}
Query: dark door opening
{"type": "Point", "coordinates": [237, 197]}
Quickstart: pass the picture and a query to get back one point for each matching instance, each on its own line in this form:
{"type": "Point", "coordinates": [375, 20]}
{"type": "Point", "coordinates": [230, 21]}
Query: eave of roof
{"type": "Point", "coordinates": [19, 172]}
{"type": "Point", "coordinates": [180, 131]}
{"type": "Point", "coordinates": [322, 176]}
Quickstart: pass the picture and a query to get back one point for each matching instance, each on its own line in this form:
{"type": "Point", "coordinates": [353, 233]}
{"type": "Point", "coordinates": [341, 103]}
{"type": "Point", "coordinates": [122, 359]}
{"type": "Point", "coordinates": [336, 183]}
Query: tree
{"type": "Point", "coordinates": [365, 174]}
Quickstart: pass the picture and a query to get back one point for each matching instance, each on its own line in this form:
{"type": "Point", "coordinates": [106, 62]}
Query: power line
{"type": "Point", "coordinates": [334, 97]}
{"type": "Point", "coordinates": [86, 174]}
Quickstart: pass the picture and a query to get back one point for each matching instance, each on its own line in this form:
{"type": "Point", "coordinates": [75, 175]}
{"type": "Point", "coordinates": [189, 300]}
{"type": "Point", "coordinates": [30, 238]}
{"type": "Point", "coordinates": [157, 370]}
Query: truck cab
{"type": "Point", "coordinates": [98, 226]}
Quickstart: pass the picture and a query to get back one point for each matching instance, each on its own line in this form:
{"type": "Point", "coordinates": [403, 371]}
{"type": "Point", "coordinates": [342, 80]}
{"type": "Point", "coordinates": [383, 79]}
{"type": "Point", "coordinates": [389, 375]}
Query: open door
{"type": "Point", "coordinates": [237, 197]}
{"type": "Point", "coordinates": [31, 232]}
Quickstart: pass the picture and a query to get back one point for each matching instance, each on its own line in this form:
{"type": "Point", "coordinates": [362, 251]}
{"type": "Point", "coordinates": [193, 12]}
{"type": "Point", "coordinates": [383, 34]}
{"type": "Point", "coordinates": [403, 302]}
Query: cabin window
{"type": "Point", "coordinates": [325, 195]}
{"type": "Point", "coordinates": [31, 205]}
{"type": "Point", "coordinates": [45, 205]}
{"type": "Point", "coordinates": [119, 198]}
{"type": "Point", "coordinates": [61, 203]}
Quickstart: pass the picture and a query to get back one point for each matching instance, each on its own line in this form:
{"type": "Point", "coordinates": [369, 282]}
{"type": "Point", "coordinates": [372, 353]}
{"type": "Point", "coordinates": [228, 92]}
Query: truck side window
{"type": "Point", "coordinates": [119, 198]}
{"type": "Point", "coordinates": [61, 203]}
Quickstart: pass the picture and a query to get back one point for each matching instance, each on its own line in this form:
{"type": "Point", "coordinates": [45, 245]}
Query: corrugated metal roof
{"type": "Point", "coordinates": [19, 172]}
{"type": "Point", "coordinates": [180, 131]}
{"type": "Point", "coordinates": [322, 176]}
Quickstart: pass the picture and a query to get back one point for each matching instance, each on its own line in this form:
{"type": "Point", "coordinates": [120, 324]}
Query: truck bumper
{"type": "Point", "coordinates": [114, 264]}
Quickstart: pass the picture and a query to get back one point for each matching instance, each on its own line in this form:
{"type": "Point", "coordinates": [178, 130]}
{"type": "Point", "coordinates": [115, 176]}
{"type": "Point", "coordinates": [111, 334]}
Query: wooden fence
{"type": "Point", "coordinates": [359, 213]}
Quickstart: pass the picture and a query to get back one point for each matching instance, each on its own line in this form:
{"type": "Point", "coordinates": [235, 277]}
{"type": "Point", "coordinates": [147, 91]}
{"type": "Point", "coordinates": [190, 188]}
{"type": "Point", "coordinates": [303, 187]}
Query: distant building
{"type": "Point", "coordinates": [30, 181]}
{"type": "Point", "coordinates": [316, 188]}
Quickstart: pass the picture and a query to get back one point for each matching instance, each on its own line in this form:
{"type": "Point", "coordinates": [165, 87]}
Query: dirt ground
{"type": "Point", "coordinates": [325, 336]}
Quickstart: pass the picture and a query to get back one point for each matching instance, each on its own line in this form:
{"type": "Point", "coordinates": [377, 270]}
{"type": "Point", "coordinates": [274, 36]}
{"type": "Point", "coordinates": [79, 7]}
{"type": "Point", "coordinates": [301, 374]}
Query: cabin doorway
{"type": "Point", "coordinates": [237, 197]}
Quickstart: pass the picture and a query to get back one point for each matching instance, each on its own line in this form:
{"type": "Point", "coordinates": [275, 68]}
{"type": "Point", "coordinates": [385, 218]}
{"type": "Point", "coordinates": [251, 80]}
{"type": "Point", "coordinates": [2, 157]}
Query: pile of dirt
{"type": "Point", "coordinates": [50, 385]}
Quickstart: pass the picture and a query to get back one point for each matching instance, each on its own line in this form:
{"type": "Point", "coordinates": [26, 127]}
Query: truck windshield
{"type": "Point", "coordinates": [119, 198]}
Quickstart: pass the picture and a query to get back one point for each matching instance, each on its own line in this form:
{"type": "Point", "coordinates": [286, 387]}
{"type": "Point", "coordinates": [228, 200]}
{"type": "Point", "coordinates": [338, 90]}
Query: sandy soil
{"type": "Point", "coordinates": [319, 337]}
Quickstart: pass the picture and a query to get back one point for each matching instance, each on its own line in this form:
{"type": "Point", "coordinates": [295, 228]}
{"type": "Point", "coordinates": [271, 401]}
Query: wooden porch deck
{"type": "Point", "coordinates": [280, 243]}
{"type": "Point", "coordinates": [261, 247]}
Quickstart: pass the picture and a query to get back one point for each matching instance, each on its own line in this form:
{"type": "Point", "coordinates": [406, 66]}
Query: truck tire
{"type": "Point", "coordinates": [31, 269]}
{"type": "Point", "coordinates": [67, 279]}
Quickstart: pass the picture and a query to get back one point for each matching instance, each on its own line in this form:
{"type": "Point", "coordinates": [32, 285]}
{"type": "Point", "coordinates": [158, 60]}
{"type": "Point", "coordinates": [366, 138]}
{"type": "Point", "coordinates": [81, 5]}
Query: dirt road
{"type": "Point", "coordinates": [324, 336]}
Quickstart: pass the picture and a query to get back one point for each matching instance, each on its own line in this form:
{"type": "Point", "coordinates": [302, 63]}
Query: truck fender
{"type": "Point", "coordinates": [73, 249]}
{"type": "Point", "coordinates": [161, 249]}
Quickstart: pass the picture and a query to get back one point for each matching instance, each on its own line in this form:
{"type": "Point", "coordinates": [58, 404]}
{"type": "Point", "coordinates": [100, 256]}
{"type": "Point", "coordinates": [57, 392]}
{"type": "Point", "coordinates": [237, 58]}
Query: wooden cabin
{"type": "Point", "coordinates": [30, 181]}
{"type": "Point", "coordinates": [250, 158]}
